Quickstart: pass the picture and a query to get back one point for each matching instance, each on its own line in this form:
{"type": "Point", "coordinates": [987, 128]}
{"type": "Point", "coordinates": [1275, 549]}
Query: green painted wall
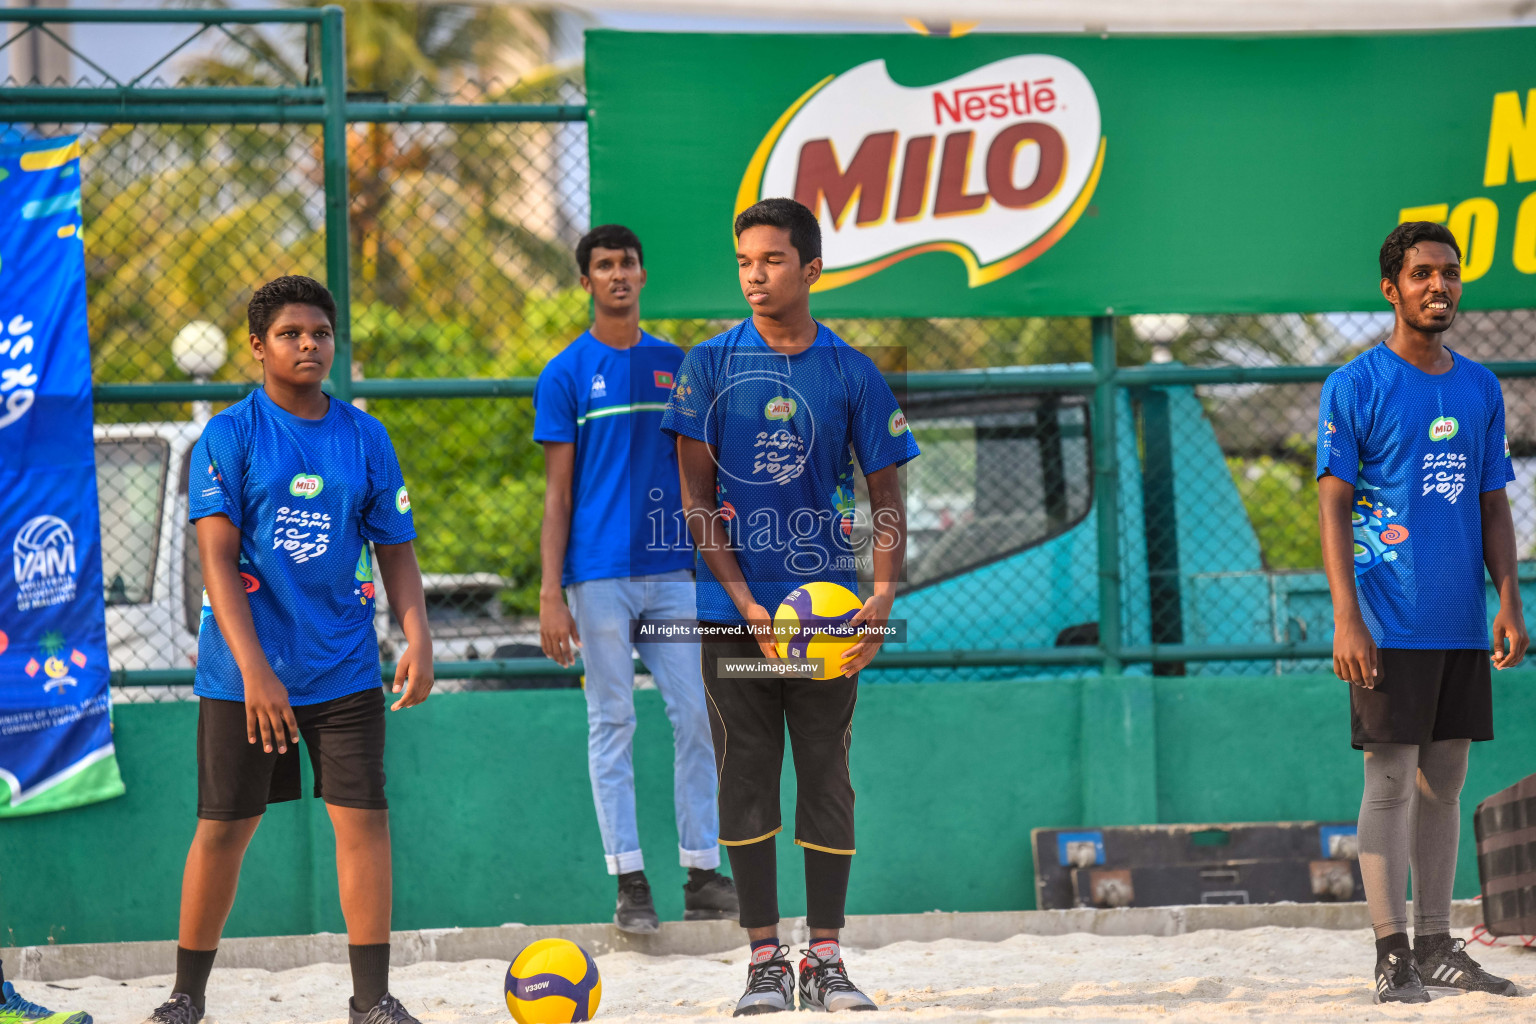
{"type": "Point", "coordinates": [493, 817]}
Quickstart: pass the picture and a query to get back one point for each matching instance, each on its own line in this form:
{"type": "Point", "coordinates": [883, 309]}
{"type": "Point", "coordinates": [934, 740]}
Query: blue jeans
{"type": "Point", "coordinates": [603, 610]}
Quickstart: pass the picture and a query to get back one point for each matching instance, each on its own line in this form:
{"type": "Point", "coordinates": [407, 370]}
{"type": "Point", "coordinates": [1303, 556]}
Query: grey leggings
{"type": "Point", "coordinates": [1411, 814]}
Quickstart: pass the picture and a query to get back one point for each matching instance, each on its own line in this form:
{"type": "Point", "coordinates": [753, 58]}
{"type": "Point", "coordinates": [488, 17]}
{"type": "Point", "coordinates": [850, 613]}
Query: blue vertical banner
{"type": "Point", "coordinates": [55, 705]}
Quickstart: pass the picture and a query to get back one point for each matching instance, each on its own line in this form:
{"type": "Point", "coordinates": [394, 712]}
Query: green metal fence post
{"type": "Point", "coordinates": [1106, 490]}
{"type": "Point", "coordinates": [338, 235]}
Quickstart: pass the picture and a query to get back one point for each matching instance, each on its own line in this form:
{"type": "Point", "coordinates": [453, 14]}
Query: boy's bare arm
{"type": "Point", "coordinates": [402, 582]}
{"type": "Point", "coordinates": [696, 467]}
{"type": "Point", "coordinates": [268, 714]}
{"type": "Point", "coordinates": [889, 551]}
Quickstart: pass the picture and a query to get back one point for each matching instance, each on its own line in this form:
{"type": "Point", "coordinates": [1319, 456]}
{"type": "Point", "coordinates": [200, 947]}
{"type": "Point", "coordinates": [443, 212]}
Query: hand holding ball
{"type": "Point", "coordinates": [813, 622]}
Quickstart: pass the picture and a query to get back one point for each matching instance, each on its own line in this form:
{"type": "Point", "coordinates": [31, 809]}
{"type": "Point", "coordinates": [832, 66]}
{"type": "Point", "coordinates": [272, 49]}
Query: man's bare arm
{"type": "Point", "coordinates": [557, 628]}
{"type": "Point", "coordinates": [1355, 658]}
{"type": "Point", "coordinates": [1501, 557]}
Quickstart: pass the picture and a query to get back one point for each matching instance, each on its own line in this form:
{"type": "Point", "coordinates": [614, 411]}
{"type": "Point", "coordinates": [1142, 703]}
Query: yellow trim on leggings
{"type": "Point", "coordinates": [749, 842]}
{"type": "Point", "coordinates": [824, 849]}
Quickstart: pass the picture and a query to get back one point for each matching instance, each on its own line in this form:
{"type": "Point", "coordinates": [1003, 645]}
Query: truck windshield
{"type": "Point", "coordinates": [999, 473]}
{"type": "Point", "coordinates": [130, 485]}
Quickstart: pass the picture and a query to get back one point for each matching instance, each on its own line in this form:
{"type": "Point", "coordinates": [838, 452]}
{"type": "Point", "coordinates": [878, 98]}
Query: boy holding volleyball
{"type": "Point", "coordinates": [1412, 461]}
{"type": "Point", "coordinates": [769, 417]}
{"type": "Point", "coordinates": [289, 488]}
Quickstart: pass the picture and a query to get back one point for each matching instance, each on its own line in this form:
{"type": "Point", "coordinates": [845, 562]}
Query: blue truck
{"type": "Point", "coordinates": [1003, 533]}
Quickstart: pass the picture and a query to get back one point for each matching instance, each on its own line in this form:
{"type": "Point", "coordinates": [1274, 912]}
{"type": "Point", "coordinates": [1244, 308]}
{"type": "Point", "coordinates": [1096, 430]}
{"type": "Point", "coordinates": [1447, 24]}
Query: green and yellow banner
{"type": "Point", "coordinates": [1069, 175]}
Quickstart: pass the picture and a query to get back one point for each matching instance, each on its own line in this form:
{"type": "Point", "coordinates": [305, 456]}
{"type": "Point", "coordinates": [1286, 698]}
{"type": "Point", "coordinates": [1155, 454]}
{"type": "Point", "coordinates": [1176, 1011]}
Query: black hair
{"type": "Point", "coordinates": [1408, 235]}
{"type": "Point", "coordinates": [606, 236]}
{"type": "Point", "coordinates": [291, 290]}
{"type": "Point", "coordinates": [796, 218]}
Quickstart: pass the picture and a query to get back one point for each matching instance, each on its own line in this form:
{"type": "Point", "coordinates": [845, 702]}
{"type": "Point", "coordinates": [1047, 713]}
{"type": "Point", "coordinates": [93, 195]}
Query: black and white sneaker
{"type": "Point", "coordinates": [710, 896]}
{"type": "Point", "coordinates": [1443, 963]}
{"type": "Point", "coordinates": [824, 985]}
{"type": "Point", "coordinates": [636, 911]}
{"type": "Point", "coordinates": [387, 1011]}
{"type": "Point", "coordinates": [770, 986]}
{"type": "Point", "coordinates": [176, 1010]}
{"type": "Point", "coordinates": [1397, 981]}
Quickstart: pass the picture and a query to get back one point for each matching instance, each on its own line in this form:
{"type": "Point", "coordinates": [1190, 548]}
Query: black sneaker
{"type": "Point", "coordinates": [387, 1011]}
{"type": "Point", "coordinates": [713, 899]}
{"type": "Point", "coordinates": [1443, 963]}
{"type": "Point", "coordinates": [176, 1010]}
{"type": "Point", "coordinates": [770, 986]}
{"type": "Point", "coordinates": [636, 912]}
{"type": "Point", "coordinates": [1397, 981]}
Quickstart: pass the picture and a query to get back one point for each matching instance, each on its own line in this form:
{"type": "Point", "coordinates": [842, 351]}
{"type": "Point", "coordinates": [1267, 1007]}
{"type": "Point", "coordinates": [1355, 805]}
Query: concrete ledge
{"type": "Point", "coordinates": [124, 960]}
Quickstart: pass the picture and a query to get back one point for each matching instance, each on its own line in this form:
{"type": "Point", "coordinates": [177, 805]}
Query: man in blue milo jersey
{"type": "Point", "coordinates": [1412, 462]}
{"type": "Point", "coordinates": [290, 486]}
{"type": "Point", "coordinates": [769, 419]}
{"type": "Point", "coordinates": [613, 536]}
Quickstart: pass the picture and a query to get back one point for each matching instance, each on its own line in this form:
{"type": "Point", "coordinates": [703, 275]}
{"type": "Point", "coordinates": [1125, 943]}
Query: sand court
{"type": "Point", "coordinates": [1268, 974]}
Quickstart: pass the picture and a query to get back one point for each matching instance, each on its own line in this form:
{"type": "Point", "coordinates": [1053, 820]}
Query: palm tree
{"type": "Point", "coordinates": [452, 197]}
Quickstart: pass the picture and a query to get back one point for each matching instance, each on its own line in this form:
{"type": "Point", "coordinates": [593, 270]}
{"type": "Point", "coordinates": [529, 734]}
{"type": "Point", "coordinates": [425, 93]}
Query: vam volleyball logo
{"type": "Point", "coordinates": [43, 555]}
{"type": "Point", "coordinates": [994, 166]}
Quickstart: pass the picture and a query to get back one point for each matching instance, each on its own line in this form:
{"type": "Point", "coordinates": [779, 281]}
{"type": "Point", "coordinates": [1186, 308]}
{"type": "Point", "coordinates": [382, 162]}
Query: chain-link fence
{"type": "Point", "coordinates": [1193, 496]}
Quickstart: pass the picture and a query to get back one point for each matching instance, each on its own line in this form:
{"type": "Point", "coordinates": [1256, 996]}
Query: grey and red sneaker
{"type": "Point", "coordinates": [824, 983]}
{"type": "Point", "coordinates": [770, 984]}
{"type": "Point", "coordinates": [1443, 963]}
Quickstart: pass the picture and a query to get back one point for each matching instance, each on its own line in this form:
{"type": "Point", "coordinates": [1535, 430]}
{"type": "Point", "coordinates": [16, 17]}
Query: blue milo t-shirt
{"type": "Point", "coordinates": [626, 502]}
{"type": "Point", "coordinates": [1419, 449]}
{"type": "Point", "coordinates": [786, 429]}
{"type": "Point", "coordinates": [307, 496]}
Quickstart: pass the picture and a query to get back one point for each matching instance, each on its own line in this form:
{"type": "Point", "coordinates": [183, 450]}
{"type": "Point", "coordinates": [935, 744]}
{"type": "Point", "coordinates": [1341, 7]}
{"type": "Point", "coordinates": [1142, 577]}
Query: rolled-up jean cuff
{"type": "Point", "coordinates": [624, 863]}
{"type": "Point", "coordinates": [705, 859]}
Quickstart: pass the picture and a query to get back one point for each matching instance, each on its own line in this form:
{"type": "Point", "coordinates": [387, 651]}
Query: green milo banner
{"type": "Point", "coordinates": [1070, 175]}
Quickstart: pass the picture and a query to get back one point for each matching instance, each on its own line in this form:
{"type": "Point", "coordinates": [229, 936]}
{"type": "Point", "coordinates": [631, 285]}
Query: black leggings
{"type": "Point", "coordinates": [755, 867]}
{"type": "Point", "coordinates": [748, 717]}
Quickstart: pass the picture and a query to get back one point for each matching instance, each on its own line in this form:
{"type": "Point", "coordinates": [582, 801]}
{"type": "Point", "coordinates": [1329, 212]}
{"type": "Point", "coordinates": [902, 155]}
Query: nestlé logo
{"type": "Point", "coordinates": [993, 166]}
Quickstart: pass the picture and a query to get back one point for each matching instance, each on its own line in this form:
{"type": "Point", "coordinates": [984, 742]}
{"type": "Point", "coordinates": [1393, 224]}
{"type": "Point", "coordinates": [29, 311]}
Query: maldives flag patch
{"type": "Point", "coordinates": [663, 378]}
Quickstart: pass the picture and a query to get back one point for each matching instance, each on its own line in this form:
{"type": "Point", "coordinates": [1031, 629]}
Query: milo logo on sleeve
{"type": "Point", "coordinates": [305, 485]}
{"type": "Point", "coordinates": [1443, 428]}
{"type": "Point", "coordinates": [402, 500]}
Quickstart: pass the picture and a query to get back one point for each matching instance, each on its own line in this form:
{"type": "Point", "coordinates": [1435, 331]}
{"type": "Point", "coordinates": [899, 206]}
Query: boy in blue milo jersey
{"type": "Point", "coordinates": [1412, 461]}
{"type": "Point", "coordinates": [769, 417]}
{"type": "Point", "coordinates": [613, 537]}
{"type": "Point", "coordinates": [289, 488]}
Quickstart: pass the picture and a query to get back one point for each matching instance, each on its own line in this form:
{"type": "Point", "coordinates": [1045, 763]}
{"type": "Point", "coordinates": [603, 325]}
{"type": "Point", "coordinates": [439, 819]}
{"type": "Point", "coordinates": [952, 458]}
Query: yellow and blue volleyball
{"type": "Point", "coordinates": [553, 981]}
{"type": "Point", "coordinates": [814, 622]}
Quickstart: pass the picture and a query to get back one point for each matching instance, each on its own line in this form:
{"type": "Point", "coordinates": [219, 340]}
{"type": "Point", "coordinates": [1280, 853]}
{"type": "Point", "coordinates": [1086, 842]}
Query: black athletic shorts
{"type": "Point", "coordinates": [345, 737]}
{"type": "Point", "coordinates": [747, 720]}
{"type": "Point", "coordinates": [1423, 696]}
